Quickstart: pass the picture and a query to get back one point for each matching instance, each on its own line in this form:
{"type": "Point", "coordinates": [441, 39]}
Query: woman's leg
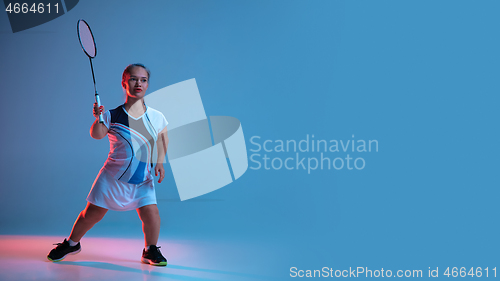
{"type": "Point", "coordinates": [86, 220]}
{"type": "Point", "coordinates": [150, 217]}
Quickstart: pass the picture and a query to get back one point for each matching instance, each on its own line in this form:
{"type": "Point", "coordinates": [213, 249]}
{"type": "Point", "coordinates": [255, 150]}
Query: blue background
{"type": "Point", "coordinates": [421, 77]}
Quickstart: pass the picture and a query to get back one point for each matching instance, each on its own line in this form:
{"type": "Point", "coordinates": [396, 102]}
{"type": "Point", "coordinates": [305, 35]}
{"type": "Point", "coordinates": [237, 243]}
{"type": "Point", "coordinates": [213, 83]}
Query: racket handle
{"type": "Point", "coordinates": [98, 101]}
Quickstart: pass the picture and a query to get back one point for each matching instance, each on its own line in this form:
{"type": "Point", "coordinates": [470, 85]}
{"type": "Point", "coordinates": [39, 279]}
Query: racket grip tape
{"type": "Point", "coordinates": [98, 101]}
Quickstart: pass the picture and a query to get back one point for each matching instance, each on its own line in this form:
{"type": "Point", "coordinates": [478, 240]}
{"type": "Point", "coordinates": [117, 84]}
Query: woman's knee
{"type": "Point", "coordinates": [149, 213]}
{"type": "Point", "coordinates": [93, 213]}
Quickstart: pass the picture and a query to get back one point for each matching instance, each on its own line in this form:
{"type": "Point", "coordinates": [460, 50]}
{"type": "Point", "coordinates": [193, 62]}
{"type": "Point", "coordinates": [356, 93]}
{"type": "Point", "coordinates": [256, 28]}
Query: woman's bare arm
{"type": "Point", "coordinates": [162, 145]}
{"type": "Point", "coordinates": [98, 130]}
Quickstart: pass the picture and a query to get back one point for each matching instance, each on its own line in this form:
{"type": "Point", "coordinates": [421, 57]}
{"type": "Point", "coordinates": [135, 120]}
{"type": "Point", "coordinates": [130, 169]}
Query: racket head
{"type": "Point", "coordinates": [86, 38]}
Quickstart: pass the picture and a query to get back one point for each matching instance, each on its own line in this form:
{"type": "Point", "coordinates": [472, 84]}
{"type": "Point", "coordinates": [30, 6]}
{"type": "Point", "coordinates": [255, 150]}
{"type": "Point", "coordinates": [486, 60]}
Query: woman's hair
{"type": "Point", "coordinates": [127, 70]}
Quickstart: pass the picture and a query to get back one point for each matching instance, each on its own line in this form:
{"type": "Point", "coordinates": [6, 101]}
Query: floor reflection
{"type": "Point", "coordinates": [24, 258]}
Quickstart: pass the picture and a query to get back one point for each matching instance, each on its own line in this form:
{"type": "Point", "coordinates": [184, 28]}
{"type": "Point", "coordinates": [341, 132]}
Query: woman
{"type": "Point", "coordinates": [125, 181]}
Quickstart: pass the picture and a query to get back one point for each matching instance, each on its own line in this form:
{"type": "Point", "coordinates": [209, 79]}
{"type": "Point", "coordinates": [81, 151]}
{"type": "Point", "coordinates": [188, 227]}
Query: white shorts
{"type": "Point", "coordinates": [110, 193]}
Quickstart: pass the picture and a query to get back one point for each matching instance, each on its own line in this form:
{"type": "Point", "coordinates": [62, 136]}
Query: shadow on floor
{"type": "Point", "coordinates": [121, 268]}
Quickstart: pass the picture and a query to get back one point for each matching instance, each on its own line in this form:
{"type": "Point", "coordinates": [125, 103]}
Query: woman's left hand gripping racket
{"type": "Point", "coordinates": [88, 45]}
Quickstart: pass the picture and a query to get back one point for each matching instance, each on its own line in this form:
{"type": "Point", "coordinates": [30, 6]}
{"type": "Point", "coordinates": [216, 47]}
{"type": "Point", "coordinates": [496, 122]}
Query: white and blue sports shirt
{"type": "Point", "coordinates": [132, 143]}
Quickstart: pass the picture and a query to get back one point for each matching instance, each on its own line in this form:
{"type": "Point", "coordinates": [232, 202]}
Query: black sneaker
{"type": "Point", "coordinates": [153, 256]}
{"type": "Point", "coordinates": [62, 250]}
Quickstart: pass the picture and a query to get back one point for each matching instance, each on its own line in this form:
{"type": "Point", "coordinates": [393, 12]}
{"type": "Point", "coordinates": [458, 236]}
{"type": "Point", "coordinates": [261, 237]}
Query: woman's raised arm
{"type": "Point", "coordinates": [98, 130]}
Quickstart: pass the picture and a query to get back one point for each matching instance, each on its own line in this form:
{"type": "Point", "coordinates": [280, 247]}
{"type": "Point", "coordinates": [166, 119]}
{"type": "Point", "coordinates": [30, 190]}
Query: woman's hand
{"type": "Point", "coordinates": [98, 110]}
{"type": "Point", "coordinates": [160, 170]}
{"type": "Point", "coordinates": [98, 130]}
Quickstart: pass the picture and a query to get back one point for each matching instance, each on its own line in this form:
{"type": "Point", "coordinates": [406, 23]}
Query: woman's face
{"type": "Point", "coordinates": [136, 83]}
